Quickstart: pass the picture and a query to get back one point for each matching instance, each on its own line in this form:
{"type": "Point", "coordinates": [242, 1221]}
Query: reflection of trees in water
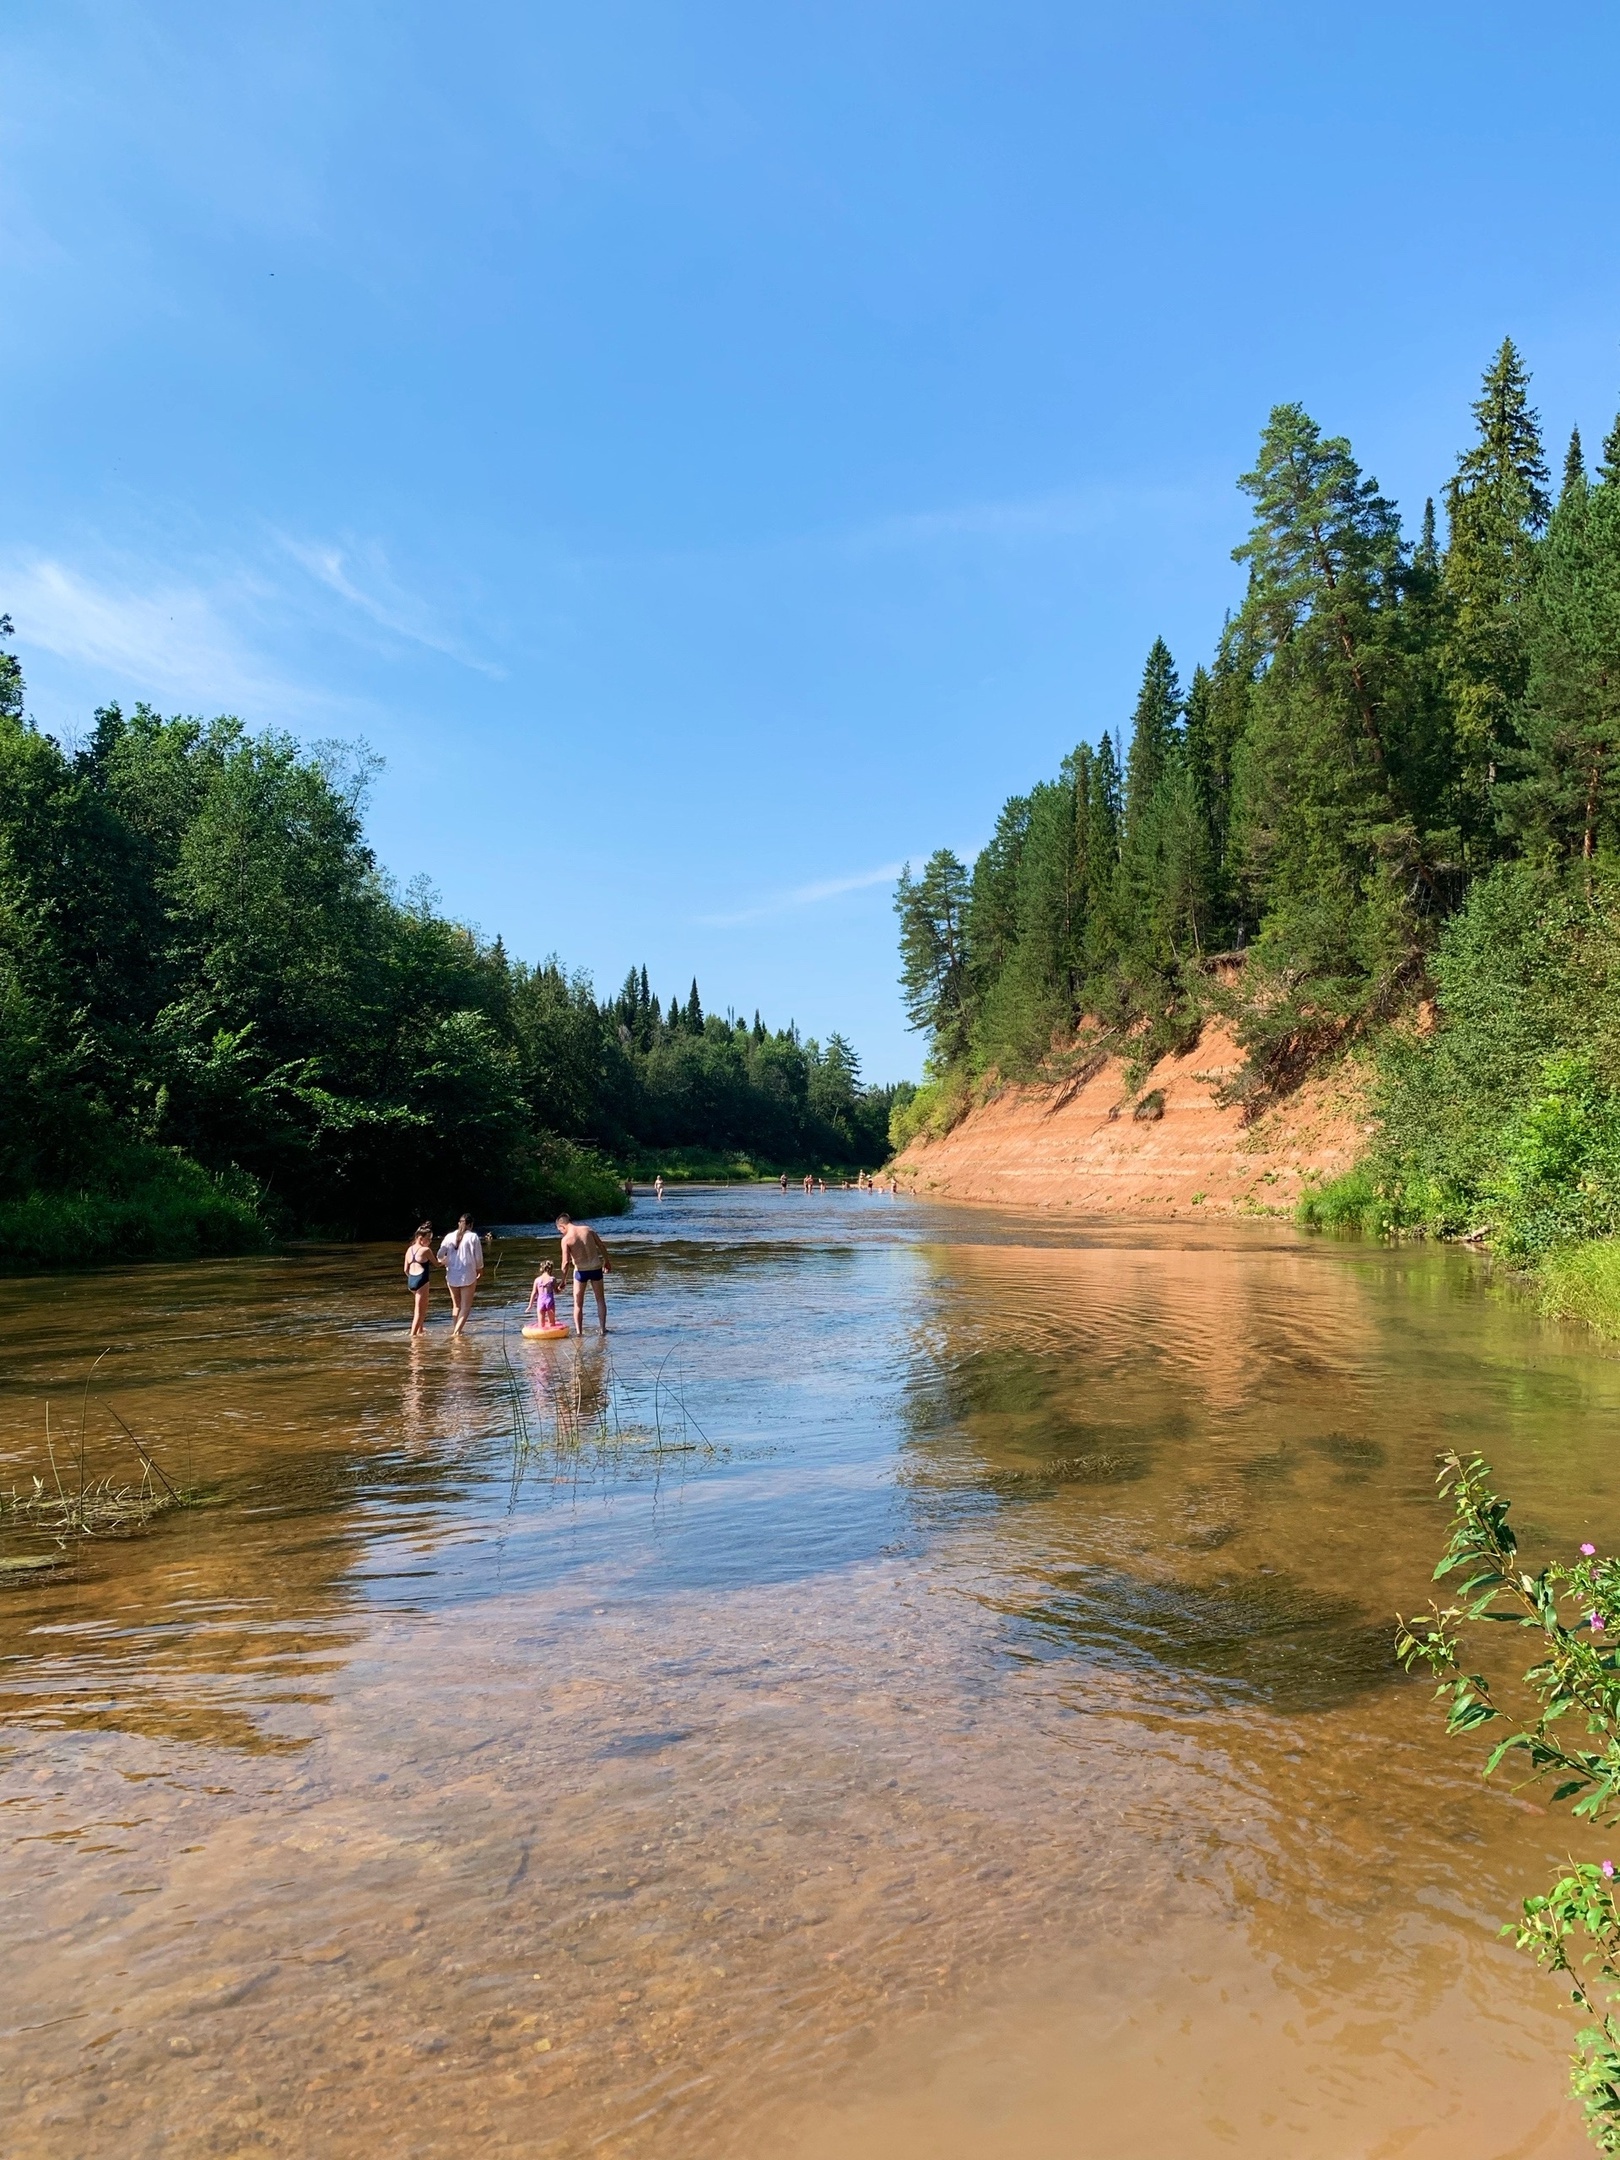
{"type": "Point", "coordinates": [1169, 1459]}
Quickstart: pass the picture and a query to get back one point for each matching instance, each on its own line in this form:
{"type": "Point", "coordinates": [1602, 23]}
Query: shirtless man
{"type": "Point", "coordinates": [588, 1255]}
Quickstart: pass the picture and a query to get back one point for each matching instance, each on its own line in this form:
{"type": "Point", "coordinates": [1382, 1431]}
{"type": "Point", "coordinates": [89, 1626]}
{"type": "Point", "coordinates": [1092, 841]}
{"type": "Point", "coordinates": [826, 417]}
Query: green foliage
{"type": "Point", "coordinates": [1571, 1741]}
{"type": "Point", "coordinates": [1582, 1282]}
{"type": "Point", "coordinates": [1354, 1203]}
{"type": "Point", "coordinates": [1505, 1121]}
{"type": "Point", "coordinates": [929, 1112]}
{"type": "Point", "coordinates": [222, 1020]}
{"type": "Point", "coordinates": [146, 1204]}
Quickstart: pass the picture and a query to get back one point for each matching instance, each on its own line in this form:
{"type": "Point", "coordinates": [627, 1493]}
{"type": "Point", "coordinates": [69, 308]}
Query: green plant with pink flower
{"type": "Point", "coordinates": [1573, 1738]}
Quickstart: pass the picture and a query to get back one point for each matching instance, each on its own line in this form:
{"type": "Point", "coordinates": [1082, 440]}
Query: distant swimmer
{"type": "Point", "coordinates": [809, 1182]}
{"type": "Point", "coordinates": [784, 1181]}
{"type": "Point", "coordinates": [658, 1186]}
{"type": "Point", "coordinates": [584, 1251]}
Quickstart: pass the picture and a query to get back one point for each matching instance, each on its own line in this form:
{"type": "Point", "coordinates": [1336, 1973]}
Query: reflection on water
{"type": "Point", "coordinates": [922, 1685]}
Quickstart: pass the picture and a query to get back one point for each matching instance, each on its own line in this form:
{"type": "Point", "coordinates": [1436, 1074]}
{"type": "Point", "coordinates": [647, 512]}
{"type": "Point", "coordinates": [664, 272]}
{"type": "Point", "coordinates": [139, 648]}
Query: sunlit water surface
{"type": "Point", "coordinates": [924, 1686]}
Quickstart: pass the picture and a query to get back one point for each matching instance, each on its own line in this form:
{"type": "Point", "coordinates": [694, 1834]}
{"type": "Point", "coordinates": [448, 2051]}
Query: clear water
{"type": "Point", "coordinates": [923, 1686]}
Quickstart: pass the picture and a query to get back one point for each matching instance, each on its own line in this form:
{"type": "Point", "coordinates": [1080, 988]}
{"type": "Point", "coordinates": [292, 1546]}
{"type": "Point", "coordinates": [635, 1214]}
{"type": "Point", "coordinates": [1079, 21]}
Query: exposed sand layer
{"type": "Point", "coordinates": [1086, 1148]}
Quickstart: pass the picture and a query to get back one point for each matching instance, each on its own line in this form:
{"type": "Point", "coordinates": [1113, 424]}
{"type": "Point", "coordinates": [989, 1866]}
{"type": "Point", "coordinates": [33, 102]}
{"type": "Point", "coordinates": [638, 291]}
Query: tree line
{"type": "Point", "coordinates": [219, 1019]}
{"type": "Point", "coordinates": [1388, 721]}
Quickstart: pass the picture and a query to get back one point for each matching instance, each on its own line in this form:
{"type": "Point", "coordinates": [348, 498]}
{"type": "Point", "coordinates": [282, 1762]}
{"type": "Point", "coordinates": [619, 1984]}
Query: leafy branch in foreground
{"type": "Point", "coordinates": [1575, 1684]}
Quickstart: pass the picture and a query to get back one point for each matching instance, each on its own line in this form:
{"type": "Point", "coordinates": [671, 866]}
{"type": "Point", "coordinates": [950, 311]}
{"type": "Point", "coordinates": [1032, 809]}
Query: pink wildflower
{"type": "Point", "coordinates": [1589, 1550]}
{"type": "Point", "coordinates": [1608, 1869]}
{"type": "Point", "coordinates": [1596, 1622]}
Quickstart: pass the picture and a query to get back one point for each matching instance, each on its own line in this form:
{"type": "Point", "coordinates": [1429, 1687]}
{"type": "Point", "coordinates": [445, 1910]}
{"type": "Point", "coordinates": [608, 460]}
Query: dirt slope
{"type": "Point", "coordinates": [1052, 1148]}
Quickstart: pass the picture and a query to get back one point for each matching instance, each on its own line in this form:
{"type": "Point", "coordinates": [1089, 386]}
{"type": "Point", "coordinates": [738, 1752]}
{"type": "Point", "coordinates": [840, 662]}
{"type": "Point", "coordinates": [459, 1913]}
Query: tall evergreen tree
{"type": "Point", "coordinates": [1609, 463]}
{"type": "Point", "coordinates": [1574, 465]}
{"type": "Point", "coordinates": [1496, 506]}
{"type": "Point", "coordinates": [1568, 793]}
{"type": "Point", "coordinates": [1154, 727]}
{"type": "Point", "coordinates": [934, 980]}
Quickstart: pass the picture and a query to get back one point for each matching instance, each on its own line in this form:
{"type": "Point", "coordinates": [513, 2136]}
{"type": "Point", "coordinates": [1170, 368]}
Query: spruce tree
{"type": "Point", "coordinates": [1567, 794]}
{"type": "Point", "coordinates": [694, 1010]}
{"type": "Point", "coordinates": [1154, 726]}
{"type": "Point", "coordinates": [1574, 465]}
{"type": "Point", "coordinates": [1609, 463]}
{"type": "Point", "coordinates": [1496, 506]}
{"type": "Point", "coordinates": [1428, 550]}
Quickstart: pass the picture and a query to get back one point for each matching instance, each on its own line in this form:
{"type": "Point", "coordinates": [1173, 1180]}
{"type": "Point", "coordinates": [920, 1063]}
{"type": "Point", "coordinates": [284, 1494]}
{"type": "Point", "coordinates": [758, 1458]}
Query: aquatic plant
{"type": "Point", "coordinates": [1574, 1685]}
{"type": "Point", "coordinates": [85, 1506]}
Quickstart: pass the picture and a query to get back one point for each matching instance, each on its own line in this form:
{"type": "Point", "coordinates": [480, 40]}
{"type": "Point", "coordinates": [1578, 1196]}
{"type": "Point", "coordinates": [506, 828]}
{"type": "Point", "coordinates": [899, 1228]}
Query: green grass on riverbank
{"type": "Point", "coordinates": [151, 1204]}
{"type": "Point", "coordinates": [1569, 1282]}
{"type": "Point", "coordinates": [1582, 1282]}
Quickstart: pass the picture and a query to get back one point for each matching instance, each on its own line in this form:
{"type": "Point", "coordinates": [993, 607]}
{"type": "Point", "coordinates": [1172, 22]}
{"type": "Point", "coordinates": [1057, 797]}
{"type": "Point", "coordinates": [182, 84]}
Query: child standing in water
{"type": "Point", "coordinates": [543, 1297]}
{"type": "Point", "coordinates": [418, 1261]}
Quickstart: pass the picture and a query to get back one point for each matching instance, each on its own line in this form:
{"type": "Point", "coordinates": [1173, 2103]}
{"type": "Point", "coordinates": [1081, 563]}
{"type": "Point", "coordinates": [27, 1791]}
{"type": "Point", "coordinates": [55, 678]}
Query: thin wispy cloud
{"type": "Point", "coordinates": [1062, 515]}
{"type": "Point", "coordinates": [169, 640]}
{"type": "Point", "coordinates": [370, 587]}
{"type": "Point", "coordinates": [802, 896]}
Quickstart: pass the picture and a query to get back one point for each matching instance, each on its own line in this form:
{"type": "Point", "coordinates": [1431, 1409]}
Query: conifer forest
{"type": "Point", "coordinates": [1383, 812]}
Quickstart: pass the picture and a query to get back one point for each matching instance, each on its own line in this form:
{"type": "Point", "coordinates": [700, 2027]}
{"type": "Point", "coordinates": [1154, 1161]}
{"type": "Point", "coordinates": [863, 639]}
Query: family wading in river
{"type": "Point", "coordinates": [461, 1255]}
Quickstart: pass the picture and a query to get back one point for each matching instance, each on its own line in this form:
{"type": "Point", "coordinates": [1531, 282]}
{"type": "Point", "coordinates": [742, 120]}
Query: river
{"type": "Point", "coordinates": [923, 1687]}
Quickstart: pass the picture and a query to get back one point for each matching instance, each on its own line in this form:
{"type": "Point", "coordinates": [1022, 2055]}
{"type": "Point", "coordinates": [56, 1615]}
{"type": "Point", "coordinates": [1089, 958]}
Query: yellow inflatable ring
{"type": "Point", "coordinates": [546, 1334]}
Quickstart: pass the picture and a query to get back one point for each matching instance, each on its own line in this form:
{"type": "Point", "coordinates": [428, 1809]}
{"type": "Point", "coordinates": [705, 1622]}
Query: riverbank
{"type": "Point", "coordinates": [1171, 1148]}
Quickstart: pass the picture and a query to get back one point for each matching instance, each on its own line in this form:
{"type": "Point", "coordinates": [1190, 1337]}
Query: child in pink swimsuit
{"type": "Point", "coordinates": [543, 1297]}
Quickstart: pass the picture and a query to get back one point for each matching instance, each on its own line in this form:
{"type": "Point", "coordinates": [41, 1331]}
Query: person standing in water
{"type": "Point", "coordinates": [462, 1258]}
{"type": "Point", "coordinates": [419, 1274]}
{"type": "Point", "coordinates": [585, 1252]}
{"type": "Point", "coordinates": [658, 1186]}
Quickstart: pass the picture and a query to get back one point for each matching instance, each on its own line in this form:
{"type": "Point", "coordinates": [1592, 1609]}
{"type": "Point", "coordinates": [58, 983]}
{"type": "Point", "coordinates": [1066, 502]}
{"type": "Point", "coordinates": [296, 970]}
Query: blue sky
{"type": "Point", "coordinates": [714, 453]}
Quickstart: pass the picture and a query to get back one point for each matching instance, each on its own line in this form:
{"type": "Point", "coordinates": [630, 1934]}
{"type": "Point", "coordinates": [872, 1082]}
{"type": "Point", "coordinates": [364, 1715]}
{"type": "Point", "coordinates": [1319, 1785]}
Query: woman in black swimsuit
{"type": "Point", "coordinates": [418, 1272]}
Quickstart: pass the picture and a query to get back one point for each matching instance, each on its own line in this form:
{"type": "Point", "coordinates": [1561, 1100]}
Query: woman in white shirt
{"type": "Point", "coordinates": [462, 1258]}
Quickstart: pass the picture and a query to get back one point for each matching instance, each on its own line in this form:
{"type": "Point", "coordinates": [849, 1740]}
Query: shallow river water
{"type": "Point", "coordinates": [923, 1687]}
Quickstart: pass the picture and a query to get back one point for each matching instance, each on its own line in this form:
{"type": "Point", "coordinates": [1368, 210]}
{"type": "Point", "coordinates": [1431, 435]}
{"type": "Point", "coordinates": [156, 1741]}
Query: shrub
{"type": "Point", "coordinates": [148, 1204]}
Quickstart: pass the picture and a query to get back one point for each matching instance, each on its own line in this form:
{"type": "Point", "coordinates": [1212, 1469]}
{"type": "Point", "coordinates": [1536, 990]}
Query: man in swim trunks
{"type": "Point", "coordinates": [584, 1250]}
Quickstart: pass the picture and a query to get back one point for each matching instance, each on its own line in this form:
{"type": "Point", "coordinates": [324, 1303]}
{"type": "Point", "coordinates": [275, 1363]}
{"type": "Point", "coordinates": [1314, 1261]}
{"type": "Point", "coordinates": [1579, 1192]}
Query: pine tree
{"type": "Point", "coordinates": [933, 953]}
{"type": "Point", "coordinates": [694, 1010]}
{"type": "Point", "coordinates": [1330, 822]}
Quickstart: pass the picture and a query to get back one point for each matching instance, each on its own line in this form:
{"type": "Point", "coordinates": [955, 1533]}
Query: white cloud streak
{"type": "Point", "coordinates": [168, 641]}
{"type": "Point", "coordinates": [804, 896]}
{"type": "Point", "coordinates": [391, 608]}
